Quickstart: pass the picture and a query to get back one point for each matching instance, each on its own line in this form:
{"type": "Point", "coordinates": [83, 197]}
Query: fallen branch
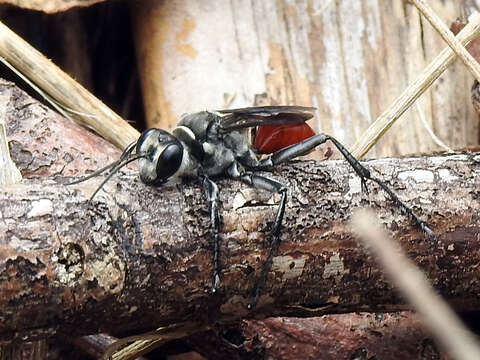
{"type": "Point", "coordinates": [45, 145]}
{"type": "Point", "coordinates": [342, 336]}
{"type": "Point", "coordinates": [139, 257]}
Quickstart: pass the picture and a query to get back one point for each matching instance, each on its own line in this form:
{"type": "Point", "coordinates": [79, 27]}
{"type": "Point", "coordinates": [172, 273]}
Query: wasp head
{"type": "Point", "coordinates": [162, 155]}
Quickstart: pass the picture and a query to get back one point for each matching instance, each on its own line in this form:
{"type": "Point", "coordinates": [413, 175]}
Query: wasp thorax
{"type": "Point", "coordinates": [163, 155]}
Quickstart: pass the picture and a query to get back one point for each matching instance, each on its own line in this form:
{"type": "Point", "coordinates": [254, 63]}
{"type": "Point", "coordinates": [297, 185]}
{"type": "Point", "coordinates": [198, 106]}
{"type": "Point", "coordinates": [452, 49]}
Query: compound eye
{"type": "Point", "coordinates": [169, 162]}
{"type": "Point", "coordinates": [146, 137]}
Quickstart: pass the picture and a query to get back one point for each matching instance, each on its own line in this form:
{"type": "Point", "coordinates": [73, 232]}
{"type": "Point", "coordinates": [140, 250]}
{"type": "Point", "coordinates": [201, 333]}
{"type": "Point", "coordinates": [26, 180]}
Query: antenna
{"type": "Point", "coordinates": [126, 158]}
{"type": "Point", "coordinates": [115, 169]}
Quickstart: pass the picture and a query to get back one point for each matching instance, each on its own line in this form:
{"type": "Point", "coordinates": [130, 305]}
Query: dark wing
{"type": "Point", "coordinates": [235, 119]}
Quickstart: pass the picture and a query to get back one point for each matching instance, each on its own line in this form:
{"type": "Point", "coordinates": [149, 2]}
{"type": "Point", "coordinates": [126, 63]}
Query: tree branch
{"type": "Point", "coordinates": [139, 257]}
{"type": "Point", "coordinates": [399, 335]}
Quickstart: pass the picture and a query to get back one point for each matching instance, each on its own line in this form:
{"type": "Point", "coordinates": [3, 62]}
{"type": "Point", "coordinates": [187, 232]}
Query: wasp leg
{"type": "Point", "coordinates": [302, 148]}
{"type": "Point", "coordinates": [211, 192]}
{"type": "Point", "coordinates": [264, 183]}
{"type": "Point", "coordinates": [305, 146]}
{"type": "Point", "coordinates": [407, 209]}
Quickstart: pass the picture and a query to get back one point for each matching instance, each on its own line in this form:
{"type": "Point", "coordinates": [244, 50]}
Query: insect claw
{"type": "Point", "coordinates": [431, 236]}
{"type": "Point", "coordinates": [216, 284]}
{"type": "Point", "coordinates": [364, 185]}
{"type": "Point", "coordinates": [253, 304]}
{"type": "Point", "coordinates": [430, 233]}
{"type": "Point", "coordinates": [256, 293]}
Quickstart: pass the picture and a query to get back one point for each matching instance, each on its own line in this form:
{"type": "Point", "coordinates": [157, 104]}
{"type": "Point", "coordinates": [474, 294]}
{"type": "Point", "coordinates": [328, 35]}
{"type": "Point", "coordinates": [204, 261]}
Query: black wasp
{"type": "Point", "coordinates": [207, 145]}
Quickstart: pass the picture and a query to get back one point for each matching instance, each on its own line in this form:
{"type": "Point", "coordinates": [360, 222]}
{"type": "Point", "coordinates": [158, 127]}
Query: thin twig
{"type": "Point", "coordinates": [427, 127]}
{"type": "Point", "coordinates": [144, 343]}
{"type": "Point", "coordinates": [448, 36]}
{"type": "Point", "coordinates": [64, 90]}
{"type": "Point", "coordinates": [376, 130]}
{"type": "Point", "coordinates": [9, 173]}
{"type": "Point", "coordinates": [39, 91]}
{"type": "Point", "coordinates": [96, 345]}
{"type": "Point", "coordinates": [444, 324]}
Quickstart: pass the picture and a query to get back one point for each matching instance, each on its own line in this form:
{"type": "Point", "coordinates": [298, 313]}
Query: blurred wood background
{"type": "Point", "coordinates": [350, 59]}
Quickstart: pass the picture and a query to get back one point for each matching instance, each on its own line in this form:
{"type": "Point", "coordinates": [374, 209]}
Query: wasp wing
{"type": "Point", "coordinates": [234, 119]}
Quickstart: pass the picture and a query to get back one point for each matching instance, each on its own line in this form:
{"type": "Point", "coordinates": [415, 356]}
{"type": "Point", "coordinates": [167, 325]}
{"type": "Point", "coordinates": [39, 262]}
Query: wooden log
{"type": "Point", "coordinates": [138, 257]}
{"type": "Point", "coordinates": [45, 144]}
{"type": "Point", "coordinates": [86, 264]}
{"type": "Point", "coordinates": [344, 336]}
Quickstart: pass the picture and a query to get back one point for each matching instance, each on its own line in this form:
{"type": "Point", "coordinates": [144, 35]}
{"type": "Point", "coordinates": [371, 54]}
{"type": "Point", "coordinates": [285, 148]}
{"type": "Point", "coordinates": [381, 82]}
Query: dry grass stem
{"type": "Point", "coordinates": [443, 323]}
{"type": "Point", "coordinates": [427, 127]}
{"type": "Point", "coordinates": [9, 174]}
{"type": "Point", "coordinates": [144, 343]}
{"type": "Point", "coordinates": [65, 90]}
{"type": "Point", "coordinates": [449, 37]}
{"type": "Point", "coordinates": [376, 130]}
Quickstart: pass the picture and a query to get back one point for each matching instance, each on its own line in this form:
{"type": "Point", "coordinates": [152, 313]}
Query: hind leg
{"type": "Point", "coordinates": [264, 183]}
{"type": "Point", "coordinates": [305, 146]}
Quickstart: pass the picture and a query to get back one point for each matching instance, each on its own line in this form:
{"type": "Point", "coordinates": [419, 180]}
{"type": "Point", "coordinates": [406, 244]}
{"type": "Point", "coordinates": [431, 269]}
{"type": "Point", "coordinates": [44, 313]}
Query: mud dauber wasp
{"type": "Point", "coordinates": [207, 145]}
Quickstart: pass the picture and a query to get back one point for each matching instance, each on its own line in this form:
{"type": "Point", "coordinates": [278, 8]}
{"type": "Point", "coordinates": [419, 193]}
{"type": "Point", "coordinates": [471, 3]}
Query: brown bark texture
{"type": "Point", "coordinates": [343, 336]}
{"type": "Point", "coordinates": [43, 143]}
{"type": "Point", "coordinates": [138, 257]}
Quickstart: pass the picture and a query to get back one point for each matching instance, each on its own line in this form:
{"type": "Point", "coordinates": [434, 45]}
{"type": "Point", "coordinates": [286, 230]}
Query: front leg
{"type": "Point", "coordinates": [211, 192]}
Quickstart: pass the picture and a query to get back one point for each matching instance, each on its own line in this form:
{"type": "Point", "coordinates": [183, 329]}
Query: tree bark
{"type": "Point", "coordinates": [42, 143]}
{"type": "Point", "coordinates": [344, 336]}
{"type": "Point", "coordinates": [138, 257]}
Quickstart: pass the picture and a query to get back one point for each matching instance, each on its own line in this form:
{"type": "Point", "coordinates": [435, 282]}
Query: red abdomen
{"type": "Point", "coordinates": [271, 138]}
